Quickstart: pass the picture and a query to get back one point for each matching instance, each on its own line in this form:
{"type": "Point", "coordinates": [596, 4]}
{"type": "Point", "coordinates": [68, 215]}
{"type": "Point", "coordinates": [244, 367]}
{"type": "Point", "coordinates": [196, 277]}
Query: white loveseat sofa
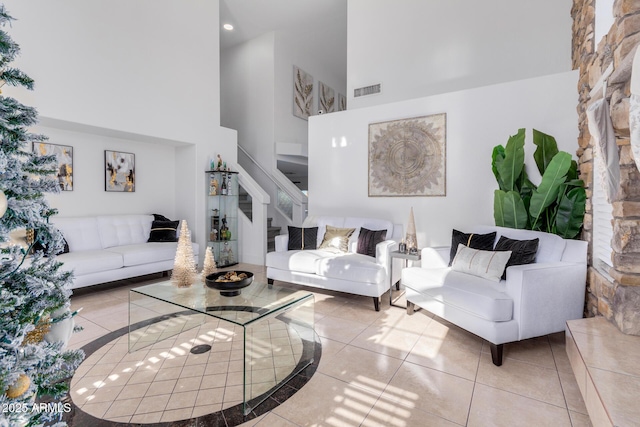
{"type": "Point", "coordinates": [114, 247]}
{"type": "Point", "coordinates": [535, 299]}
{"type": "Point", "coordinates": [346, 272]}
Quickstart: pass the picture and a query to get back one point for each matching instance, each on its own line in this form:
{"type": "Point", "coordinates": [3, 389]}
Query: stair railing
{"type": "Point", "coordinates": [291, 203]}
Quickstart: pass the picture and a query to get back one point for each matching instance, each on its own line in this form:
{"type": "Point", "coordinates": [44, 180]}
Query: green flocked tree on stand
{"type": "Point", "coordinates": [34, 292]}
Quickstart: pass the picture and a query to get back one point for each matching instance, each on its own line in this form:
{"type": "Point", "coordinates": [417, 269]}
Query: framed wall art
{"type": "Point", "coordinates": [119, 171]}
{"type": "Point", "coordinates": [407, 157]}
{"type": "Point", "coordinates": [326, 98]}
{"type": "Point", "coordinates": [302, 93]}
{"type": "Point", "coordinates": [342, 102]}
{"type": "Point", "coordinates": [64, 156]}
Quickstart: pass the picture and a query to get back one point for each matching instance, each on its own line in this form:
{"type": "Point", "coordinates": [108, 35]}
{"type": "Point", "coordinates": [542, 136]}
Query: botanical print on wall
{"type": "Point", "coordinates": [120, 171]}
{"type": "Point", "coordinates": [326, 98]}
{"type": "Point", "coordinates": [302, 93]}
{"type": "Point", "coordinates": [342, 102]}
{"type": "Point", "coordinates": [64, 156]}
{"type": "Point", "coordinates": [407, 157]}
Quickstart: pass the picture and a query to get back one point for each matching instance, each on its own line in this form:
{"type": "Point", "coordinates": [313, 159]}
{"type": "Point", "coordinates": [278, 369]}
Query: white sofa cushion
{"type": "Point", "coordinates": [145, 253]}
{"type": "Point", "coordinates": [480, 297]}
{"type": "Point", "coordinates": [550, 246]}
{"type": "Point", "coordinates": [90, 261]}
{"type": "Point", "coordinates": [300, 261]}
{"type": "Point", "coordinates": [486, 264]}
{"type": "Point", "coordinates": [120, 230]}
{"type": "Point", "coordinates": [353, 267]}
{"type": "Point", "coordinates": [81, 233]}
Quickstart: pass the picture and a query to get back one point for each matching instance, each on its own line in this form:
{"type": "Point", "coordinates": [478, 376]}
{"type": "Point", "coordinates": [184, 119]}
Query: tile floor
{"type": "Point", "coordinates": [381, 369]}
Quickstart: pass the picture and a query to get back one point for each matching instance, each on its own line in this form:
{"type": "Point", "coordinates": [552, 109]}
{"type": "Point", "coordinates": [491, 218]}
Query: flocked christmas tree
{"type": "Point", "coordinates": [209, 263]}
{"type": "Point", "coordinates": [33, 289]}
{"type": "Point", "coordinates": [184, 266]}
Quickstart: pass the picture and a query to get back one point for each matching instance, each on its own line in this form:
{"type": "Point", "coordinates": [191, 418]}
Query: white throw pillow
{"type": "Point", "coordinates": [486, 264]}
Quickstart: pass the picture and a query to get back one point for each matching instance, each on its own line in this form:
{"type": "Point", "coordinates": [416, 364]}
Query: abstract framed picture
{"type": "Point", "coordinates": [119, 171]}
{"type": "Point", "coordinates": [64, 157]}
{"type": "Point", "coordinates": [407, 157]}
{"type": "Point", "coordinates": [326, 98]}
{"type": "Point", "coordinates": [302, 93]}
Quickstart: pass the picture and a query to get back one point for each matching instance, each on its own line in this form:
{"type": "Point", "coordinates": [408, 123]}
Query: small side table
{"type": "Point", "coordinates": [406, 256]}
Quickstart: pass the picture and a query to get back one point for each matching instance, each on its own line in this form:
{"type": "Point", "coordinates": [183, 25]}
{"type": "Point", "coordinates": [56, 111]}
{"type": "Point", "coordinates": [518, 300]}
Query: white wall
{"type": "Point", "coordinates": [477, 120]}
{"type": "Point", "coordinates": [143, 66]}
{"type": "Point", "coordinates": [417, 48]}
{"type": "Point", "coordinates": [148, 69]}
{"type": "Point", "coordinates": [155, 169]}
{"type": "Point", "coordinates": [247, 92]}
{"type": "Point", "coordinates": [301, 49]}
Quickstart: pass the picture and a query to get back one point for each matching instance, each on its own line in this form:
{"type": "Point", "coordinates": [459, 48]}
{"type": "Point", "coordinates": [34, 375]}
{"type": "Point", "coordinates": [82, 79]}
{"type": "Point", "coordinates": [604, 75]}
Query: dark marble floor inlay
{"type": "Point", "coordinates": [227, 417]}
{"type": "Point", "coordinates": [200, 349]}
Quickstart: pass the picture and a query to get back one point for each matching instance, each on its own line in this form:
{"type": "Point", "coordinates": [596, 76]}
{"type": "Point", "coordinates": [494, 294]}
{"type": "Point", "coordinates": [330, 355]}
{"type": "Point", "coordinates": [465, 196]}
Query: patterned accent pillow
{"type": "Point", "coordinates": [164, 231]}
{"type": "Point", "coordinates": [483, 242]}
{"type": "Point", "coordinates": [302, 238]}
{"type": "Point", "coordinates": [486, 264]}
{"type": "Point", "coordinates": [522, 251]}
{"type": "Point", "coordinates": [368, 239]}
{"type": "Point", "coordinates": [336, 239]}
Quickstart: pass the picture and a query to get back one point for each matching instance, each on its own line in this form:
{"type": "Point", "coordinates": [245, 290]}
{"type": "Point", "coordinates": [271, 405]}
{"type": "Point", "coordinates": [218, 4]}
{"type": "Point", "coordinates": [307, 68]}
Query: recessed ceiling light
{"type": "Point", "coordinates": [228, 27]}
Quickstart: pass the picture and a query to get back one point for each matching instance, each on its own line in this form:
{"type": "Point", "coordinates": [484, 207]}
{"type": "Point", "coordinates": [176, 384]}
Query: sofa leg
{"type": "Point", "coordinates": [496, 353]}
{"type": "Point", "coordinates": [410, 308]}
{"type": "Point", "coordinates": [270, 283]}
{"type": "Point", "coordinates": [376, 303]}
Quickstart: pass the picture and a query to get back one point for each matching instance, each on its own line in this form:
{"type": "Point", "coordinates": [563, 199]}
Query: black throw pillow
{"type": "Point", "coordinates": [39, 247]}
{"type": "Point", "coordinates": [483, 242]}
{"type": "Point", "coordinates": [368, 239]}
{"type": "Point", "coordinates": [158, 217]}
{"type": "Point", "coordinates": [302, 238]}
{"type": "Point", "coordinates": [164, 231]}
{"type": "Point", "coordinates": [522, 251]}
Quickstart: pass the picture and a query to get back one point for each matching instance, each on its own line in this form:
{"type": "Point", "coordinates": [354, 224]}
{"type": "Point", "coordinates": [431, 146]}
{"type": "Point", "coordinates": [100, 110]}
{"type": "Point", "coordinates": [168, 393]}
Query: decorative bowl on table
{"type": "Point", "coordinates": [229, 283]}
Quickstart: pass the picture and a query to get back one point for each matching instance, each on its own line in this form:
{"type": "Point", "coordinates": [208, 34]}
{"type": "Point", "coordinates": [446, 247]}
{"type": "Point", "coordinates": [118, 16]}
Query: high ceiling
{"type": "Point", "coordinates": [252, 18]}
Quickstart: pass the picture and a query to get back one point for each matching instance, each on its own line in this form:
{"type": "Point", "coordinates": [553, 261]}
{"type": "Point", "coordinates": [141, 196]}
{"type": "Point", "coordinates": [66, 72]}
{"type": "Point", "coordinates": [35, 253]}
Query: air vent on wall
{"type": "Point", "coordinates": [367, 90]}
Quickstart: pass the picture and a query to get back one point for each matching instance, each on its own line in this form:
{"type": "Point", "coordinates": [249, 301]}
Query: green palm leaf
{"type": "Point", "coordinates": [570, 213]}
{"type": "Point", "coordinates": [547, 192]}
{"type": "Point", "coordinates": [515, 213]}
{"type": "Point", "coordinates": [513, 164]}
{"type": "Point", "coordinates": [498, 207]}
{"type": "Point", "coordinates": [547, 148]}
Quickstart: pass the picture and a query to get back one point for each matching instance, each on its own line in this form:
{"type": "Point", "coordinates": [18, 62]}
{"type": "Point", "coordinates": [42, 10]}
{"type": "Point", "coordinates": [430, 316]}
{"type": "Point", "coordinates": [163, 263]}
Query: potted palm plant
{"type": "Point", "coordinates": [556, 205]}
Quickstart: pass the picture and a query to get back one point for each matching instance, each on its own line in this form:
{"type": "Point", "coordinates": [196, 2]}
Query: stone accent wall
{"type": "Point", "coordinates": [614, 294]}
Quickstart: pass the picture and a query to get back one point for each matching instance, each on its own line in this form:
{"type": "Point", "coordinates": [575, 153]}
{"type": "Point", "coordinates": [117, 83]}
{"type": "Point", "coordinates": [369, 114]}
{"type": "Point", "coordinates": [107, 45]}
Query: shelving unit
{"type": "Point", "coordinates": [222, 211]}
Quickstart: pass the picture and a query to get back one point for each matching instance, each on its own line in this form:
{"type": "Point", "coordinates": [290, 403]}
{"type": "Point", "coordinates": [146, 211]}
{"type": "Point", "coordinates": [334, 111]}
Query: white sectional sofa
{"type": "Point", "coordinates": [535, 299]}
{"type": "Point", "coordinates": [115, 247]}
{"type": "Point", "coordinates": [346, 272]}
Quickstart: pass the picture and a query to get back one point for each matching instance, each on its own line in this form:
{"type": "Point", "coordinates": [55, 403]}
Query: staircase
{"type": "Point", "coordinates": [245, 203]}
{"type": "Point", "coordinates": [272, 232]}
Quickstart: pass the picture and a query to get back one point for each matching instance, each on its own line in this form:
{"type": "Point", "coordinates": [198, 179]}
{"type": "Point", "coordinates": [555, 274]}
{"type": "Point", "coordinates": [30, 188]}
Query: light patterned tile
{"type": "Point", "coordinates": [509, 410]}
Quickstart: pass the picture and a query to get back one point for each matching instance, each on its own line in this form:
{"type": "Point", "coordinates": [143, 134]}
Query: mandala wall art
{"type": "Point", "coordinates": [302, 93]}
{"type": "Point", "coordinates": [407, 157]}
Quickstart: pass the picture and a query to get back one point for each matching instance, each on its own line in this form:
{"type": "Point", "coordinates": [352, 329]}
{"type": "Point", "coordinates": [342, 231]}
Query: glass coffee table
{"type": "Point", "coordinates": [274, 328]}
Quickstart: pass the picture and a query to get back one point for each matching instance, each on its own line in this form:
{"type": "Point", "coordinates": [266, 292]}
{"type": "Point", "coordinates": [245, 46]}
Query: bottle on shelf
{"type": "Point", "coordinates": [229, 185]}
{"type": "Point", "coordinates": [213, 186]}
{"type": "Point", "coordinates": [223, 187]}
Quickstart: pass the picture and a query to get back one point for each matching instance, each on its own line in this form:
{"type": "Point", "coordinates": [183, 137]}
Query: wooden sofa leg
{"type": "Point", "coordinates": [270, 283]}
{"type": "Point", "coordinates": [496, 353]}
{"type": "Point", "coordinates": [376, 303]}
{"type": "Point", "coordinates": [410, 308]}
